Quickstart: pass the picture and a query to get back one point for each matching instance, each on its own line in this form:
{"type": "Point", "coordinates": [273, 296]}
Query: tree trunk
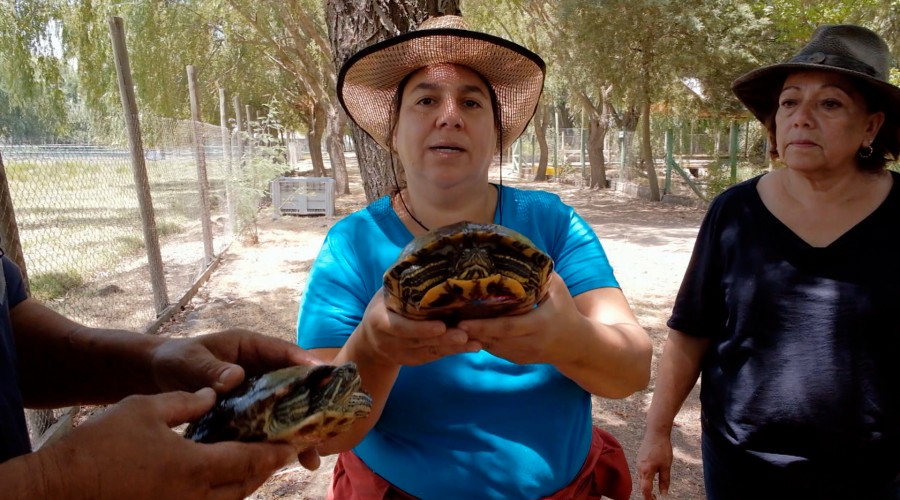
{"type": "Point", "coordinates": [335, 143]}
{"type": "Point", "coordinates": [541, 118]}
{"type": "Point", "coordinates": [353, 25]}
{"type": "Point", "coordinates": [316, 129]}
{"type": "Point", "coordinates": [647, 147]}
{"type": "Point", "coordinates": [596, 139]}
{"type": "Point", "coordinates": [629, 125]}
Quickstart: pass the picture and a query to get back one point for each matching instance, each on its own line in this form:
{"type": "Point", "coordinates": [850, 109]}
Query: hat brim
{"type": "Point", "coordinates": [368, 81]}
{"type": "Point", "coordinates": [758, 90]}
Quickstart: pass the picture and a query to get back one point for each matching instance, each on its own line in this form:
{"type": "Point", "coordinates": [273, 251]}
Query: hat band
{"type": "Point", "coordinates": [836, 61]}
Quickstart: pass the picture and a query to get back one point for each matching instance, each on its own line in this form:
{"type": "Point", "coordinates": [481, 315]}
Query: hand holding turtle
{"type": "Point", "coordinates": [129, 451]}
{"type": "Point", "coordinates": [220, 360]}
{"type": "Point", "coordinates": [405, 341]}
{"type": "Point", "coordinates": [540, 336]}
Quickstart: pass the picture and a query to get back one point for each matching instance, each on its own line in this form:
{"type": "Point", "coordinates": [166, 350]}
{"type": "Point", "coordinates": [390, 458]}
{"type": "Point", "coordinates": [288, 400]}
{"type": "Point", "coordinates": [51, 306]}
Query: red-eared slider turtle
{"type": "Point", "coordinates": [467, 270]}
{"type": "Point", "coordinates": [302, 405]}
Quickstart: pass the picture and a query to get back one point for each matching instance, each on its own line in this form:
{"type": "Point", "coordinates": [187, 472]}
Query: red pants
{"type": "Point", "coordinates": [604, 473]}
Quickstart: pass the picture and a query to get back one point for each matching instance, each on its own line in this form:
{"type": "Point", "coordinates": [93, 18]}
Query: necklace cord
{"type": "Point", "coordinates": [423, 226]}
{"type": "Point", "coordinates": [400, 195]}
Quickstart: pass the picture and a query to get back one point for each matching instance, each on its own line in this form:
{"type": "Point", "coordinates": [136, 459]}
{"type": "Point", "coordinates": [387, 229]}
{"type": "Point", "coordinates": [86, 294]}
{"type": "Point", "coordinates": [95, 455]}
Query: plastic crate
{"type": "Point", "coordinates": [303, 196]}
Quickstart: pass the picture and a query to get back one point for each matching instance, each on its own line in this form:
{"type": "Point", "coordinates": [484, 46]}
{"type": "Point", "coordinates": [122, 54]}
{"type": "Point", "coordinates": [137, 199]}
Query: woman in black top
{"type": "Point", "coordinates": [788, 304]}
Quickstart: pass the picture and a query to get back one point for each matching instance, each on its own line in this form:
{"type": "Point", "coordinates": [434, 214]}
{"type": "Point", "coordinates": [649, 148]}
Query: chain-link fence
{"type": "Point", "coordinates": [702, 151]}
{"type": "Point", "coordinates": [81, 230]}
{"type": "Point", "coordinates": [76, 214]}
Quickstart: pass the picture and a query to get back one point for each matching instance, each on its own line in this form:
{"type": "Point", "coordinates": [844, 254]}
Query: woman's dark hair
{"type": "Point", "coordinates": [885, 147]}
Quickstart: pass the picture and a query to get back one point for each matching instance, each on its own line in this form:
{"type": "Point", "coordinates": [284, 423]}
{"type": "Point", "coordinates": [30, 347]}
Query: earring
{"type": "Point", "coordinates": [866, 152]}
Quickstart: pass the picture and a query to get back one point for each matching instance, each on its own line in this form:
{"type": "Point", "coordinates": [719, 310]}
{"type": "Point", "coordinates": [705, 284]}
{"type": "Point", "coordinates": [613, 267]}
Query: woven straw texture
{"type": "Point", "coordinates": [369, 80]}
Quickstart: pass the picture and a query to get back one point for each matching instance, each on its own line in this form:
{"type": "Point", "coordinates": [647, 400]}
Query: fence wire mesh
{"type": "Point", "coordinates": [702, 151]}
{"type": "Point", "coordinates": [80, 227]}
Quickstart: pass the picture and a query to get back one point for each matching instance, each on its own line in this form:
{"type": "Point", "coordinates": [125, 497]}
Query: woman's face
{"type": "Point", "coordinates": [822, 121]}
{"type": "Point", "coordinates": [445, 131]}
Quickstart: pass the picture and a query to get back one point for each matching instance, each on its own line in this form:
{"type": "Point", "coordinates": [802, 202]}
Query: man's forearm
{"type": "Point", "coordinates": [42, 475]}
{"type": "Point", "coordinates": [62, 362]}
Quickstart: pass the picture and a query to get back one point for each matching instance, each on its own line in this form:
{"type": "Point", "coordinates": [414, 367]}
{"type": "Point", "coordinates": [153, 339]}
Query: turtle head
{"type": "Point", "coordinates": [326, 389]}
{"type": "Point", "coordinates": [474, 263]}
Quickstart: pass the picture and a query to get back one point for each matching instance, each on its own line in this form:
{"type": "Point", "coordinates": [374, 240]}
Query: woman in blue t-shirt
{"type": "Point", "coordinates": [494, 408]}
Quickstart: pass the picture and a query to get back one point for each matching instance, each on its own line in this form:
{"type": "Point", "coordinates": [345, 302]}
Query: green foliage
{"type": "Point", "coordinates": [167, 228]}
{"type": "Point", "coordinates": [54, 285]}
{"type": "Point", "coordinates": [263, 161]}
{"type": "Point", "coordinates": [794, 20]}
{"type": "Point", "coordinates": [718, 175]}
{"type": "Point", "coordinates": [130, 244]}
{"type": "Point", "coordinates": [32, 93]}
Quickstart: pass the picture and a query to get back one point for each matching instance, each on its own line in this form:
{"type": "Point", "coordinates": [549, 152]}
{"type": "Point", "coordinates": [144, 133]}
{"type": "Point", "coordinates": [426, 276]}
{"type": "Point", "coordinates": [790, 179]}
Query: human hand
{"type": "Point", "coordinates": [219, 360]}
{"type": "Point", "coordinates": [655, 457]}
{"type": "Point", "coordinates": [538, 336]}
{"type": "Point", "coordinates": [130, 451]}
{"type": "Point", "coordinates": [404, 341]}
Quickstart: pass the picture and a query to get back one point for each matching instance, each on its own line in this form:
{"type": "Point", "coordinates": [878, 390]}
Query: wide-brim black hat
{"type": "Point", "coordinates": [368, 81]}
{"type": "Point", "coordinates": [846, 49]}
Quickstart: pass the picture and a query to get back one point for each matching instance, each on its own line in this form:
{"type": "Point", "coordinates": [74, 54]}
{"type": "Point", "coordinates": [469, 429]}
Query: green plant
{"type": "Point", "coordinates": [131, 244]}
{"type": "Point", "coordinates": [168, 228]}
{"type": "Point", "coordinates": [54, 285]}
{"type": "Point", "coordinates": [718, 177]}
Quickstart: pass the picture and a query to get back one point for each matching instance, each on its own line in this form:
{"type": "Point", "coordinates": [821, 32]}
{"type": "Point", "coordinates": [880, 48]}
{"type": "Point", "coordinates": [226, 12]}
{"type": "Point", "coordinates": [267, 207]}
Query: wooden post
{"type": "Point", "coordinates": [249, 131]}
{"type": "Point", "coordinates": [238, 125]}
{"type": "Point", "coordinates": [226, 159]}
{"type": "Point", "coordinates": [200, 157]}
{"type": "Point", "coordinates": [251, 145]}
{"type": "Point", "coordinates": [9, 228]}
{"type": "Point", "coordinates": [141, 181]}
{"type": "Point", "coordinates": [732, 150]}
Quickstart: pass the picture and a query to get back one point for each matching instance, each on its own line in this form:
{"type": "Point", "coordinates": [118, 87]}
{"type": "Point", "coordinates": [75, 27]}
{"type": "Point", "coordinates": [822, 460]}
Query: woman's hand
{"type": "Point", "coordinates": [404, 341]}
{"type": "Point", "coordinates": [594, 339]}
{"type": "Point", "coordinates": [654, 457]}
{"type": "Point", "coordinates": [539, 336]}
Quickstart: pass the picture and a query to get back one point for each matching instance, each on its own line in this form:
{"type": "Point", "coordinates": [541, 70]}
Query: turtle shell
{"type": "Point", "coordinates": [302, 405]}
{"type": "Point", "coordinates": [467, 270]}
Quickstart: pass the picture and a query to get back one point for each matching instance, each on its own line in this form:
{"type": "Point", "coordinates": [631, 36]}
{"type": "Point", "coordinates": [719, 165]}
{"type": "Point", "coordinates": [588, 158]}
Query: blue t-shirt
{"type": "Point", "coordinates": [14, 439]}
{"type": "Point", "coordinates": [468, 425]}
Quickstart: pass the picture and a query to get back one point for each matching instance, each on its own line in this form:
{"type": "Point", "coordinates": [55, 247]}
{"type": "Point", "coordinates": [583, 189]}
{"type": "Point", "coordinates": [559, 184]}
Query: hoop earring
{"type": "Point", "coordinates": [866, 152]}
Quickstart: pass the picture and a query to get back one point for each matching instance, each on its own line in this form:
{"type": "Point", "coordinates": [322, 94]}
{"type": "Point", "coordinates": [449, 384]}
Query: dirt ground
{"type": "Point", "coordinates": [258, 287]}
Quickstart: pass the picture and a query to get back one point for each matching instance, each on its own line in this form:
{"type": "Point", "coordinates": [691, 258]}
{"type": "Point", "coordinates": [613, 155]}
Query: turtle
{"type": "Point", "coordinates": [467, 270]}
{"type": "Point", "coordinates": [302, 405]}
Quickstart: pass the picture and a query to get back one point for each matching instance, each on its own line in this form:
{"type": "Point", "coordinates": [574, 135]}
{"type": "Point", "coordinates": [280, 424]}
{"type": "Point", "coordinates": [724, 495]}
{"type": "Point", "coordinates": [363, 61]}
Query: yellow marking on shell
{"type": "Point", "coordinates": [473, 290]}
{"type": "Point", "coordinates": [467, 270]}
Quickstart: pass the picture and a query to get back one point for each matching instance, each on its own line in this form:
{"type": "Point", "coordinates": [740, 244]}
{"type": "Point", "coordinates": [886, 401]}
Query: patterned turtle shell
{"type": "Point", "coordinates": [467, 270]}
{"type": "Point", "coordinates": [302, 405]}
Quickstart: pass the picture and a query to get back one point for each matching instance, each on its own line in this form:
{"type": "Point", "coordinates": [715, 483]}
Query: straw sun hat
{"type": "Point", "coordinates": [368, 81]}
{"type": "Point", "coordinates": [846, 49]}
